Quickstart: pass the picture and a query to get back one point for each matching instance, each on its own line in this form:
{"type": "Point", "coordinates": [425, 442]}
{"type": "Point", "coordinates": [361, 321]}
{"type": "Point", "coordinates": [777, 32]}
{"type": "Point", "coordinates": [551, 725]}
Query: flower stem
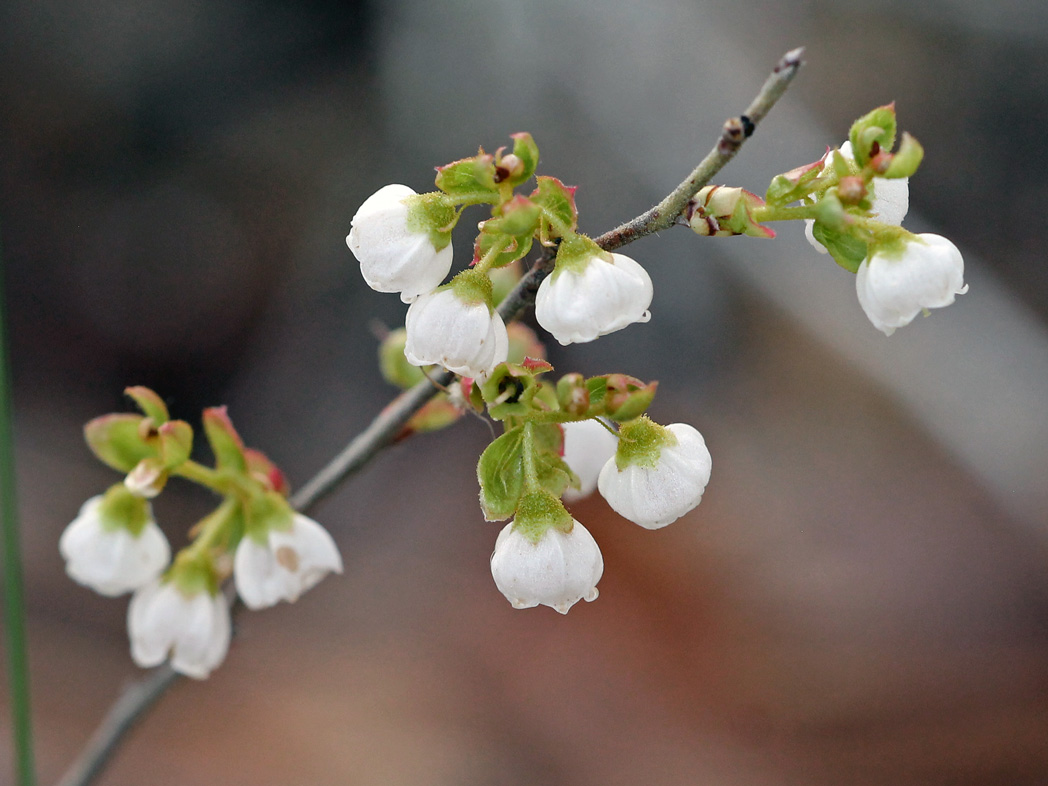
{"type": "Point", "coordinates": [140, 696]}
{"type": "Point", "coordinates": [14, 604]}
{"type": "Point", "coordinates": [762, 215]}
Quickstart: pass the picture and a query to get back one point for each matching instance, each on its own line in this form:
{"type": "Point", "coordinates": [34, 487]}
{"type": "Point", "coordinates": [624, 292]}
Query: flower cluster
{"type": "Point", "coordinates": [402, 241]}
{"type": "Point", "coordinates": [560, 444]}
{"type": "Point", "coordinates": [852, 201]}
{"type": "Point", "coordinates": [861, 197]}
{"type": "Point", "coordinates": [114, 545]}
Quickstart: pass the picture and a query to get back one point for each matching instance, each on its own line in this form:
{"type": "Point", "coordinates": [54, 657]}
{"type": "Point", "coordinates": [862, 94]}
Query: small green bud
{"type": "Point", "coordinates": [392, 364]}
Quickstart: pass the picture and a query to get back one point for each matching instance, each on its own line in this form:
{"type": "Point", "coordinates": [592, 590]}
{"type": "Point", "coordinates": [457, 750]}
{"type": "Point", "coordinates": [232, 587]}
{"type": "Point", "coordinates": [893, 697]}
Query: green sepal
{"type": "Point", "coordinates": [470, 180]}
{"type": "Point", "coordinates": [641, 442]}
{"type": "Point", "coordinates": [847, 250]}
{"type": "Point", "coordinates": [626, 398]}
{"type": "Point", "coordinates": [266, 512]}
{"type": "Point", "coordinates": [176, 442]}
{"type": "Point", "coordinates": [512, 232]}
{"type": "Point", "coordinates": [434, 214]}
{"type": "Point", "coordinates": [793, 185]}
{"type": "Point", "coordinates": [118, 440]}
{"type": "Point", "coordinates": [558, 205]}
{"type": "Point", "coordinates": [909, 156]}
{"type": "Point", "coordinates": [120, 509]}
{"type": "Point", "coordinates": [392, 364]}
{"type": "Point", "coordinates": [877, 126]}
{"type": "Point", "coordinates": [475, 397]}
{"type": "Point", "coordinates": [540, 511]}
{"type": "Point", "coordinates": [149, 402]}
{"type": "Point", "coordinates": [225, 443]}
{"type": "Point", "coordinates": [500, 472]}
{"type": "Point", "coordinates": [525, 149]}
{"type": "Point", "coordinates": [265, 472]}
{"type": "Point", "coordinates": [509, 391]}
{"type": "Point", "coordinates": [194, 572]}
{"type": "Point", "coordinates": [471, 287]}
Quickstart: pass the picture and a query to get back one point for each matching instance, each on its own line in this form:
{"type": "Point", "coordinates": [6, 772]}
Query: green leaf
{"type": "Point", "coordinates": [501, 475]}
{"type": "Point", "coordinates": [907, 159]}
{"type": "Point", "coordinates": [117, 440]}
{"type": "Point", "coordinates": [847, 250]}
{"type": "Point", "coordinates": [558, 204]}
{"type": "Point", "coordinates": [877, 126]}
{"type": "Point", "coordinates": [149, 402]}
{"type": "Point", "coordinates": [224, 440]}
{"type": "Point", "coordinates": [470, 180]}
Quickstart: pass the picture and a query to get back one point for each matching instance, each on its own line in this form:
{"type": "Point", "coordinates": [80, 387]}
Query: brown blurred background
{"type": "Point", "coordinates": [861, 598]}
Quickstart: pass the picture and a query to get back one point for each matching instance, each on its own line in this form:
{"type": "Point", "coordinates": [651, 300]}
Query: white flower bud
{"type": "Point", "coordinates": [108, 557]}
{"type": "Point", "coordinates": [467, 338]}
{"type": "Point", "coordinates": [395, 255]}
{"type": "Point", "coordinates": [587, 447]}
{"type": "Point", "coordinates": [654, 496]}
{"type": "Point", "coordinates": [558, 571]}
{"type": "Point", "coordinates": [894, 288]}
{"type": "Point", "coordinates": [891, 200]}
{"type": "Point", "coordinates": [193, 629]}
{"type": "Point", "coordinates": [285, 565]}
{"type": "Point", "coordinates": [578, 303]}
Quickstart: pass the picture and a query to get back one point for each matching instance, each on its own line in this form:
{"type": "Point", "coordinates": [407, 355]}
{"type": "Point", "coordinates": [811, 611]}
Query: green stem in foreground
{"type": "Point", "coordinates": [14, 605]}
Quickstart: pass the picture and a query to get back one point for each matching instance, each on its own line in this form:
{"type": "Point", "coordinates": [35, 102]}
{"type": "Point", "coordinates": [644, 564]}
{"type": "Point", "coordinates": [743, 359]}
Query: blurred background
{"type": "Point", "coordinates": [861, 598]}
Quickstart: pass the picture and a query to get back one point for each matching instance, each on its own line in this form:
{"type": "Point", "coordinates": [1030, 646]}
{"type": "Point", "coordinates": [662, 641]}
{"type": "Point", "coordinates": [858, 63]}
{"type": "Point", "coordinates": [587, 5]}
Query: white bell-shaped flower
{"type": "Point", "coordinates": [895, 286]}
{"type": "Point", "coordinates": [585, 299]}
{"type": "Point", "coordinates": [193, 629]}
{"type": "Point", "coordinates": [107, 556]}
{"type": "Point", "coordinates": [468, 338]}
{"type": "Point", "coordinates": [395, 255]}
{"type": "Point", "coordinates": [558, 571]}
{"type": "Point", "coordinates": [587, 447]}
{"type": "Point", "coordinates": [285, 564]}
{"type": "Point", "coordinates": [665, 484]}
{"type": "Point", "coordinates": [891, 200]}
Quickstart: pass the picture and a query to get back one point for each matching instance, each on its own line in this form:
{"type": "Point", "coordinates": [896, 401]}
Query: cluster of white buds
{"type": "Point", "coordinates": [114, 545]}
{"type": "Point", "coordinates": [898, 274]}
{"type": "Point", "coordinates": [853, 201]}
{"type": "Point", "coordinates": [650, 474]}
{"type": "Point", "coordinates": [558, 444]}
{"type": "Point", "coordinates": [402, 241]}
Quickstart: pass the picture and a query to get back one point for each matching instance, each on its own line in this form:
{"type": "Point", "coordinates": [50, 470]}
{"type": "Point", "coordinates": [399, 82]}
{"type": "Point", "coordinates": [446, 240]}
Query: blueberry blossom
{"type": "Point", "coordinates": [399, 250]}
{"type": "Point", "coordinates": [191, 626]}
{"type": "Point", "coordinates": [587, 447]}
{"type": "Point", "coordinates": [114, 545]}
{"type": "Point", "coordinates": [891, 199]}
{"type": "Point", "coordinates": [899, 281]}
{"type": "Point", "coordinates": [658, 474]}
{"type": "Point", "coordinates": [282, 563]}
{"type": "Point", "coordinates": [457, 328]}
{"type": "Point", "coordinates": [558, 570]}
{"type": "Point", "coordinates": [591, 293]}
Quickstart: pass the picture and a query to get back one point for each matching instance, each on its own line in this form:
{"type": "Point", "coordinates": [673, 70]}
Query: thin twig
{"type": "Point", "coordinates": [138, 697]}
